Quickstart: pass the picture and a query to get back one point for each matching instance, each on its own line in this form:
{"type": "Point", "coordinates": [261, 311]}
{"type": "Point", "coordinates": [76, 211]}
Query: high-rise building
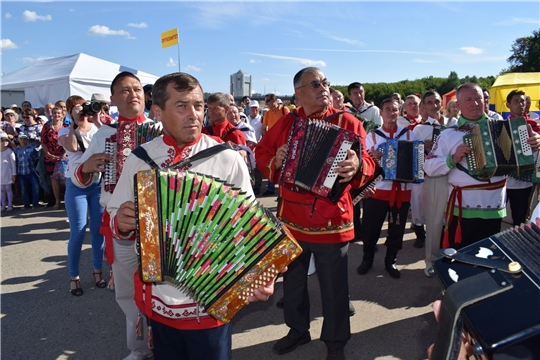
{"type": "Point", "coordinates": [240, 84]}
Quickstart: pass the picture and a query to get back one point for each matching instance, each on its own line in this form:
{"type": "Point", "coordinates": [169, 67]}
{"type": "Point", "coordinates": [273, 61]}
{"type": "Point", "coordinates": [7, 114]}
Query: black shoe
{"type": "Point", "coordinates": [335, 354]}
{"type": "Point", "coordinates": [27, 206]}
{"type": "Point", "coordinates": [419, 243]}
{"type": "Point", "coordinates": [352, 310]}
{"type": "Point", "coordinates": [364, 266]}
{"type": "Point", "coordinates": [279, 304]}
{"type": "Point", "coordinates": [392, 270]}
{"type": "Point", "coordinates": [288, 343]}
{"type": "Point", "coordinates": [268, 193]}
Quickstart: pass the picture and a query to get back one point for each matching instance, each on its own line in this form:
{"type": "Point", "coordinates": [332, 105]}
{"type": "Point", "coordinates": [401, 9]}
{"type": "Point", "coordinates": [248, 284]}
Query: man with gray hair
{"type": "Point", "coordinates": [322, 228]}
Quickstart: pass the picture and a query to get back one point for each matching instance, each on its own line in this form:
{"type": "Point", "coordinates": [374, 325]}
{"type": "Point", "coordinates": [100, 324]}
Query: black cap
{"type": "Point", "coordinates": [147, 88]}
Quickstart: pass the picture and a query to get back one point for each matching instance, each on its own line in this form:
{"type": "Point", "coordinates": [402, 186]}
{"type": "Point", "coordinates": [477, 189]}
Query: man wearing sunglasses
{"type": "Point", "coordinates": [320, 226]}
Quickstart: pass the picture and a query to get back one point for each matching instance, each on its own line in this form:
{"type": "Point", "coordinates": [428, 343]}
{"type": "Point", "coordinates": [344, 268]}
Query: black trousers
{"type": "Point", "coordinates": [373, 218]}
{"type": "Point", "coordinates": [357, 211]}
{"type": "Point", "coordinates": [472, 230]}
{"type": "Point", "coordinates": [331, 262]}
{"type": "Point", "coordinates": [519, 204]}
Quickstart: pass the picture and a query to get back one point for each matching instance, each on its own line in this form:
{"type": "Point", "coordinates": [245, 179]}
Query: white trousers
{"type": "Point", "coordinates": [434, 199]}
{"type": "Point", "coordinates": [416, 204]}
{"type": "Point", "coordinates": [124, 266]}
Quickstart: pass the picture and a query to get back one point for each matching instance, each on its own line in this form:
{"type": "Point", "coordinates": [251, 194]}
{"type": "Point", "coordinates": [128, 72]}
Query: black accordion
{"type": "Point", "coordinates": [316, 147]}
{"type": "Point", "coordinates": [208, 239]}
{"type": "Point", "coordinates": [493, 293]}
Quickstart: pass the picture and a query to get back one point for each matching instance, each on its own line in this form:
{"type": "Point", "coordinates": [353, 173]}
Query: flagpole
{"type": "Point", "coordinates": [178, 51]}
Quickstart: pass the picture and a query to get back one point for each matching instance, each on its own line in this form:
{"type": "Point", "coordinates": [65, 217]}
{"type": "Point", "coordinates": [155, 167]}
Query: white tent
{"type": "Point", "coordinates": [59, 78]}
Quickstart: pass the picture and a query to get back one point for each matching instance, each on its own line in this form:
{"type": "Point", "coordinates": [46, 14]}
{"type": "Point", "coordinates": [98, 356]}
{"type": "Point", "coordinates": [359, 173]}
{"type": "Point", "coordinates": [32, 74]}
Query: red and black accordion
{"type": "Point", "coordinates": [128, 136]}
{"type": "Point", "coordinates": [208, 239]}
{"type": "Point", "coordinates": [492, 291]}
{"type": "Point", "coordinates": [315, 147]}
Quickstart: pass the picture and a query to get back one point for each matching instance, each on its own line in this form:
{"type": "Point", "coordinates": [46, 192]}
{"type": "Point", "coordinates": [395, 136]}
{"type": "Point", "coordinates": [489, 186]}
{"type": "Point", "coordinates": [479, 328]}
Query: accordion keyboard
{"type": "Point", "coordinates": [268, 275]}
{"type": "Point", "coordinates": [109, 176]}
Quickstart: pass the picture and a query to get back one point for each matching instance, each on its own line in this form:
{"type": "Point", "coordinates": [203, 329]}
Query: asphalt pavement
{"type": "Point", "coordinates": [40, 319]}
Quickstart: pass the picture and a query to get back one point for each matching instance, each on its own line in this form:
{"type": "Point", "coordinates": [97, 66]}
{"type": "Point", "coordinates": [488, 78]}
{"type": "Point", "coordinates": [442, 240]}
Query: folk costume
{"type": "Point", "coordinates": [519, 191]}
{"type": "Point", "coordinates": [167, 307]}
{"type": "Point", "coordinates": [226, 132]}
{"type": "Point", "coordinates": [390, 197]}
{"type": "Point", "coordinates": [431, 200]}
{"type": "Point", "coordinates": [322, 228]}
{"type": "Point", "coordinates": [120, 253]}
{"type": "Point", "coordinates": [475, 208]}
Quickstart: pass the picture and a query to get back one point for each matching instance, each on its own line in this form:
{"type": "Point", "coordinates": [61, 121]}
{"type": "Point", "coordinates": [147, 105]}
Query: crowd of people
{"type": "Point", "coordinates": [66, 147]}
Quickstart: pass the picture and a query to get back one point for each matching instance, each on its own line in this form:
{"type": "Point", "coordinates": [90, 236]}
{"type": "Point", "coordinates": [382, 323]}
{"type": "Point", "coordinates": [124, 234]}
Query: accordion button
{"type": "Point", "coordinates": [514, 266]}
{"type": "Point", "coordinates": [126, 151]}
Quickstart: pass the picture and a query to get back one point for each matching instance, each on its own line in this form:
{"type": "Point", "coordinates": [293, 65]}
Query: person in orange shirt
{"type": "Point", "coordinates": [275, 112]}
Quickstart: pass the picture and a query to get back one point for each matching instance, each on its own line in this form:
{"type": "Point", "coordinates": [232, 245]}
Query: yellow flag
{"type": "Point", "coordinates": [169, 38]}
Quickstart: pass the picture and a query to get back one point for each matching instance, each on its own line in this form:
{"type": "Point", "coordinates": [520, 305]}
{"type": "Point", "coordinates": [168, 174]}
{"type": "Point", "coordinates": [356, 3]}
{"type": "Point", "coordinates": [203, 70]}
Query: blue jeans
{"type": "Point", "coordinates": [80, 203]}
{"type": "Point", "coordinates": [27, 183]}
{"type": "Point", "coordinates": [210, 344]}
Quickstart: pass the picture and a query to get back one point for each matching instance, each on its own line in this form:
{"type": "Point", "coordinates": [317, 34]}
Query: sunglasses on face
{"type": "Point", "coordinates": [317, 84]}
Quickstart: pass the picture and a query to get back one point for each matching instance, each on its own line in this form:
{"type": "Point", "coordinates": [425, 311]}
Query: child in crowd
{"type": "Point", "coordinates": [8, 173]}
{"type": "Point", "coordinates": [27, 158]}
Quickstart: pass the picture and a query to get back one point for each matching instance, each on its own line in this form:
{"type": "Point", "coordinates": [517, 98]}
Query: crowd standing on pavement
{"type": "Point", "coordinates": [61, 156]}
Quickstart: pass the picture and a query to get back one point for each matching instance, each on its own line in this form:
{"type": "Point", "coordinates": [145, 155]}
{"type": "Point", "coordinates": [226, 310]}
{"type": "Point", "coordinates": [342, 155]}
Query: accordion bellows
{"type": "Point", "coordinates": [208, 239]}
{"type": "Point", "coordinates": [499, 148]}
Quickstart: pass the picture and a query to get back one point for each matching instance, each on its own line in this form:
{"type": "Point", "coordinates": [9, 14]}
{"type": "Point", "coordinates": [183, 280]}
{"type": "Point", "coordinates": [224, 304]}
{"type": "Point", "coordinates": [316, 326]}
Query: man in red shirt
{"type": "Point", "coordinates": [218, 105]}
{"type": "Point", "coordinates": [321, 227]}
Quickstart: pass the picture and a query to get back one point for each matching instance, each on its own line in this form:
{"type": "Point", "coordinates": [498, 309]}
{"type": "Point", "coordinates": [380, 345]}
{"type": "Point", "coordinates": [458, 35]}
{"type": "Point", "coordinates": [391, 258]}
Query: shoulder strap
{"type": "Point", "coordinates": [142, 154]}
{"type": "Point", "coordinates": [209, 129]}
{"type": "Point", "coordinates": [366, 109]}
{"type": "Point", "coordinates": [79, 137]}
{"type": "Point", "coordinates": [381, 134]}
{"type": "Point", "coordinates": [401, 133]}
{"type": "Point", "coordinates": [201, 155]}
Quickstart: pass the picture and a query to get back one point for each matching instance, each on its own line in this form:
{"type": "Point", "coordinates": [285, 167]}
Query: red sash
{"type": "Point", "coordinates": [456, 194]}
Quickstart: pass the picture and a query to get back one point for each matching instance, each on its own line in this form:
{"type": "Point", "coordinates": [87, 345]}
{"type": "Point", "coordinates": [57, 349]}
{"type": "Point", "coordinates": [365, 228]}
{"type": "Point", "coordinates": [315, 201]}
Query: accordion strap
{"type": "Point", "coordinates": [141, 153]}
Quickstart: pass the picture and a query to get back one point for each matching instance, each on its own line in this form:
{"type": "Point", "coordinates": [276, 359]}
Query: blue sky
{"type": "Point", "coordinates": [350, 41]}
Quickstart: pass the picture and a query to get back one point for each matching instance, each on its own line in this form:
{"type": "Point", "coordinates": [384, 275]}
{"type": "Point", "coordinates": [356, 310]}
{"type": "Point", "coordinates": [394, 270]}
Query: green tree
{"type": "Point", "coordinates": [525, 54]}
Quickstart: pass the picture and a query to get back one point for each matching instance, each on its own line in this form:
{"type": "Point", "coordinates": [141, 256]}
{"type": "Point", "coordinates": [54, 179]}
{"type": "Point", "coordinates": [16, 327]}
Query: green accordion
{"type": "Point", "coordinates": [499, 148]}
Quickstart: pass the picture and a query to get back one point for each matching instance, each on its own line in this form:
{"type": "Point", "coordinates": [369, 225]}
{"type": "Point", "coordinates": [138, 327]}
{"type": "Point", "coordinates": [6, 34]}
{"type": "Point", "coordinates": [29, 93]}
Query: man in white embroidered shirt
{"type": "Point", "coordinates": [179, 104]}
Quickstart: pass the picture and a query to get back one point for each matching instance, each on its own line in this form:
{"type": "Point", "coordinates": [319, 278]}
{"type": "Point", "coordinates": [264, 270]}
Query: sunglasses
{"type": "Point", "coordinates": [27, 117]}
{"type": "Point", "coordinates": [317, 84]}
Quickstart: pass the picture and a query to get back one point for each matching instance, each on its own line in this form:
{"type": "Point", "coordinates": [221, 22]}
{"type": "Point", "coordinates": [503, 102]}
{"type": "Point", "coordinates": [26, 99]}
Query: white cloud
{"type": "Point", "coordinates": [31, 16]}
{"type": "Point", "coordinates": [8, 16]}
{"type": "Point", "coordinates": [302, 61]}
{"type": "Point", "coordinates": [265, 79]}
{"type": "Point", "coordinates": [253, 61]}
{"type": "Point", "coordinates": [7, 44]}
{"type": "Point", "coordinates": [345, 40]}
{"type": "Point", "coordinates": [193, 68]}
{"type": "Point", "coordinates": [471, 50]}
{"type": "Point", "coordinates": [142, 25]}
{"type": "Point", "coordinates": [514, 21]}
{"type": "Point", "coordinates": [170, 63]}
{"type": "Point", "coordinates": [101, 30]}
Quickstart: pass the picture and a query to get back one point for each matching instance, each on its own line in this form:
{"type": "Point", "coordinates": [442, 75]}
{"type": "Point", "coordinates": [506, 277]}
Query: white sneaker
{"type": "Point", "coordinates": [139, 356]}
{"type": "Point", "coordinates": [311, 269]}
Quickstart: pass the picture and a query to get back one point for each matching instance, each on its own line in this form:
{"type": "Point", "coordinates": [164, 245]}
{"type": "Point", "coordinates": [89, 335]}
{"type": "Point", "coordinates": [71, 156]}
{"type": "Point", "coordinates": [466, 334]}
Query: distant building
{"type": "Point", "coordinates": [240, 85]}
